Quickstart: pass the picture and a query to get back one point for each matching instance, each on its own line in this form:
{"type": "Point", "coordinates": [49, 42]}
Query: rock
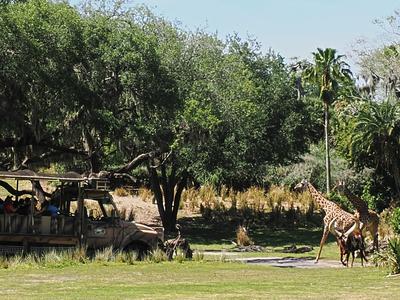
{"type": "Point", "coordinates": [251, 248]}
{"type": "Point", "coordinates": [293, 249]}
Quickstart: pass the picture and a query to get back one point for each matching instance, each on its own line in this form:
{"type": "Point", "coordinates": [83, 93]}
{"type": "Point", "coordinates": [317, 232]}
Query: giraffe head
{"type": "Point", "coordinates": [340, 186]}
{"type": "Point", "coordinates": [301, 186]}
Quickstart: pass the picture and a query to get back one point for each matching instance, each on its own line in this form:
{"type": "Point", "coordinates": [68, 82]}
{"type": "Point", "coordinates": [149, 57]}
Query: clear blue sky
{"type": "Point", "coordinates": [290, 27]}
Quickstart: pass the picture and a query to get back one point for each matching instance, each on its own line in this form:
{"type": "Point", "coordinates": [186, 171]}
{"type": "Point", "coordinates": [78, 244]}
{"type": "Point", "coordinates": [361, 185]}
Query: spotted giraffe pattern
{"type": "Point", "coordinates": [333, 213]}
{"type": "Point", "coordinates": [368, 217]}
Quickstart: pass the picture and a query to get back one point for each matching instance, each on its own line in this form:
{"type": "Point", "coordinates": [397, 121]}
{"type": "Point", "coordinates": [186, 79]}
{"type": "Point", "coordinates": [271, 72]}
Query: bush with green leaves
{"type": "Point", "coordinates": [395, 220]}
{"type": "Point", "coordinates": [390, 257]}
{"type": "Point", "coordinates": [312, 168]}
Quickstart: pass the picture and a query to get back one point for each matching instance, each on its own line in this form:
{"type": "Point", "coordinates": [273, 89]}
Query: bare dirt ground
{"type": "Point", "coordinates": [283, 262]}
{"type": "Point", "coordinates": [293, 262]}
{"type": "Point", "coordinates": [134, 208]}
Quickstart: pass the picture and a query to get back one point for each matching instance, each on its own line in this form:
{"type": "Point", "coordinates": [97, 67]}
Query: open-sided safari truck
{"type": "Point", "coordinates": [85, 216]}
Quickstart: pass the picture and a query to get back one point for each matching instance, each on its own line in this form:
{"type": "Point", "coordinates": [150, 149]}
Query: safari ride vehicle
{"type": "Point", "coordinates": [83, 214]}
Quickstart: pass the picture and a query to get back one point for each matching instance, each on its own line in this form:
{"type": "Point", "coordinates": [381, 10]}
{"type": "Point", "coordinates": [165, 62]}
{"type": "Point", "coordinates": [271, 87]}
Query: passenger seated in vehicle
{"type": "Point", "coordinates": [24, 206]}
{"type": "Point", "coordinates": [49, 209]}
{"type": "Point", "coordinates": [85, 212]}
{"type": "Point", "coordinates": [8, 206]}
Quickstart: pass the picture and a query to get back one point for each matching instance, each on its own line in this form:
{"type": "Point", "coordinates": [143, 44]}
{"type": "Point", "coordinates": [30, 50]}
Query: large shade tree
{"type": "Point", "coordinates": [328, 72]}
{"type": "Point", "coordinates": [110, 90]}
{"type": "Point", "coordinates": [40, 46]}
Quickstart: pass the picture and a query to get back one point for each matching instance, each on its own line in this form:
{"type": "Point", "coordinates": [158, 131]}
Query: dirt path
{"type": "Point", "coordinates": [284, 262]}
{"type": "Point", "coordinates": [292, 262]}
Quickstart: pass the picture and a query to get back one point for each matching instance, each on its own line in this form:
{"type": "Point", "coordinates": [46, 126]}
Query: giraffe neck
{"type": "Point", "coordinates": [325, 204]}
{"type": "Point", "coordinates": [358, 203]}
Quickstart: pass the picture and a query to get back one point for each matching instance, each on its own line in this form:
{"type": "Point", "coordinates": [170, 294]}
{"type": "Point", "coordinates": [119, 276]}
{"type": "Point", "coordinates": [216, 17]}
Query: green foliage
{"type": "Point", "coordinates": [343, 202]}
{"type": "Point", "coordinates": [369, 137]}
{"type": "Point", "coordinates": [252, 120]}
{"type": "Point", "coordinates": [374, 201]}
{"type": "Point", "coordinates": [312, 167]}
{"type": "Point", "coordinates": [395, 220]}
{"type": "Point", "coordinates": [329, 73]}
{"type": "Point", "coordinates": [390, 257]}
{"type": "Point", "coordinates": [106, 84]}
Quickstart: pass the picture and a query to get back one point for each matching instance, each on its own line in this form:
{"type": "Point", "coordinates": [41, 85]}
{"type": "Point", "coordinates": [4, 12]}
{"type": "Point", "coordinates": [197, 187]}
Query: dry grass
{"type": "Point", "coordinates": [146, 194]}
{"type": "Point", "coordinates": [254, 199]}
{"type": "Point", "coordinates": [385, 228]}
{"type": "Point", "coordinates": [242, 238]}
{"type": "Point", "coordinates": [190, 199]}
{"type": "Point", "coordinates": [121, 192]}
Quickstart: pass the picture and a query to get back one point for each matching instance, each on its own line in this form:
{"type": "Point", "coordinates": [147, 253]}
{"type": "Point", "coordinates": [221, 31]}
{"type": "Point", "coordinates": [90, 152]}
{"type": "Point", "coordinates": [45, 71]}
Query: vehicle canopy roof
{"type": "Point", "coordinates": [31, 175]}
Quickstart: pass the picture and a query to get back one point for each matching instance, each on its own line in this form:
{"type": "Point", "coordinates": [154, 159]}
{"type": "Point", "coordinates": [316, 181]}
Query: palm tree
{"type": "Point", "coordinates": [375, 137]}
{"type": "Point", "coordinates": [329, 72]}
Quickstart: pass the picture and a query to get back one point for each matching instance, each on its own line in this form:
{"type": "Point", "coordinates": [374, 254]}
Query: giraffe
{"type": "Point", "coordinates": [368, 217]}
{"type": "Point", "coordinates": [333, 213]}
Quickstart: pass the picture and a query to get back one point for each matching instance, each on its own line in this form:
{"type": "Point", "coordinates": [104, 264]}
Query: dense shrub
{"type": "Point", "coordinates": [395, 220]}
{"type": "Point", "coordinates": [312, 168]}
{"type": "Point", "coordinates": [390, 257]}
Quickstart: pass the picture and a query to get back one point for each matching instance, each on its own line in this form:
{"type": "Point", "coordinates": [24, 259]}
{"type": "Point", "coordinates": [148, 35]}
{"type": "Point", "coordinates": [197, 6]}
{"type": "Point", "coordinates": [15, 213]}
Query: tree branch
{"type": "Point", "coordinates": [13, 191]}
{"type": "Point", "coordinates": [58, 150]}
{"type": "Point", "coordinates": [135, 162]}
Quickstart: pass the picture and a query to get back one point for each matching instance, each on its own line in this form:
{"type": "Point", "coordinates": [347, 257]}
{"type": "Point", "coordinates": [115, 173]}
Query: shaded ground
{"type": "Point", "coordinates": [211, 234]}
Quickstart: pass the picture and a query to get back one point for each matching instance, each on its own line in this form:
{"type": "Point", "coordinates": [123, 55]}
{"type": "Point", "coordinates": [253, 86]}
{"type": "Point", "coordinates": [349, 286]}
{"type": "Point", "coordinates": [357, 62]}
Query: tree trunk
{"type": "Point", "coordinates": [89, 146]}
{"type": "Point", "coordinates": [155, 187]}
{"type": "Point", "coordinates": [17, 157]}
{"type": "Point", "coordinates": [167, 191]}
{"type": "Point", "coordinates": [327, 155]}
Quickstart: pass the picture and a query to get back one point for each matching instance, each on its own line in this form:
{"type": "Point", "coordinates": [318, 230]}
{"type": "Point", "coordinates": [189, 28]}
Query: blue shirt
{"type": "Point", "coordinates": [53, 210]}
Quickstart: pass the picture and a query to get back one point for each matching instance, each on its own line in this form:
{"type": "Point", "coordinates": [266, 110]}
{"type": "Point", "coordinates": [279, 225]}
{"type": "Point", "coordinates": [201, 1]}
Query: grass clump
{"type": "Point", "coordinates": [156, 256]}
{"type": "Point", "coordinates": [198, 255]}
{"type": "Point", "coordinates": [242, 238]}
{"type": "Point", "coordinates": [146, 194]}
{"type": "Point", "coordinates": [121, 192]}
{"type": "Point", "coordinates": [390, 257]}
{"type": "Point", "coordinates": [104, 255]}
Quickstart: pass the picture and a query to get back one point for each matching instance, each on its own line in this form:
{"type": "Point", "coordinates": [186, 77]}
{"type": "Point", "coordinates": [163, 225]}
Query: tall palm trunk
{"type": "Point", "coordinates": [327, 155]}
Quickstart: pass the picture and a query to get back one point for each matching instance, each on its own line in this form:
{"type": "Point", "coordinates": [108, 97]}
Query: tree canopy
{"type": "Point", "coordinates": [110, 89]}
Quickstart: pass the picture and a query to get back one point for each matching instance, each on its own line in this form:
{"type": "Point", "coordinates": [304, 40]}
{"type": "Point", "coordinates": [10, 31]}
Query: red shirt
{"type": "Point", "coordinates": [8, 208]}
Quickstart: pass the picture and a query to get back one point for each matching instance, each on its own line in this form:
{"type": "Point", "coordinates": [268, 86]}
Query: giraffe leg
{"type": "Point", "coordinates": [362, 258]}
{"type": "Point", "coordinates": [352, 258]}
{"type": "Point", "coordinates": [376, 241]}
{"type": "Point", "coordinates": [373, 230]}
{"type": "Point", "coordinates": [321, 244]}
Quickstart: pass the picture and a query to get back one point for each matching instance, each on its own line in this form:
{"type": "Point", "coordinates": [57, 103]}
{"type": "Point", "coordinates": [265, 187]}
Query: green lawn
{"type": "Point", "coordinates": [211, 236]}
{"type": "Point", "coordinates": [208, 279]}
{"type": "Point", "coordinates": [196, 280]}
